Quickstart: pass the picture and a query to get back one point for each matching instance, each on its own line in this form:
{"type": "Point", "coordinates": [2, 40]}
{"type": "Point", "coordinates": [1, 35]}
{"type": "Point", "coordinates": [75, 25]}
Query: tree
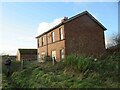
{"type": "Point", "coordinates": [117, 41]}
{"type": "Point", "coordinates": [115, 45]}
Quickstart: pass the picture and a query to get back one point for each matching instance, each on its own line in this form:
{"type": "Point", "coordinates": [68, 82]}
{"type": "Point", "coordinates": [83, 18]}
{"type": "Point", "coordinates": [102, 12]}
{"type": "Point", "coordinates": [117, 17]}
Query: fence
{"type": "Point", "coordinates": [28, 63]}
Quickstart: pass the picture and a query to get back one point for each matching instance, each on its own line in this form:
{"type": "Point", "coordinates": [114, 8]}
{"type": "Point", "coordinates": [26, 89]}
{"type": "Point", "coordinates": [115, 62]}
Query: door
{"type": "Point", "coordinates": [54, 54]}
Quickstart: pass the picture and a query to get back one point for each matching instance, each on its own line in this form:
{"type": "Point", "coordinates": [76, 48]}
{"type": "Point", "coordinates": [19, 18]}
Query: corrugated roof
{"type": "Point", "coordinates": [28, 51]}
{"type": "Point", "coordinates": [74, 17]}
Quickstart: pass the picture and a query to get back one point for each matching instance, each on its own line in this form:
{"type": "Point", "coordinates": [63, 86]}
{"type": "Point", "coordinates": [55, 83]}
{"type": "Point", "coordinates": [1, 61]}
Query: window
{"type": "Point", "coordinates": [62, 54]}
{"type": "Point", "coordinates": [53, 37]}
{"type": "Point", "coordinates": [54, 54]}
{"type": "Point", "coordinates": [42, 41]}
{"type": "Point", "coordinates": [43, 56]}
{"type": "Point", "coordinates": [61, 33]}
{"type": "Point", "coordinates": [38, 42]}
{"type": "Point", "coordinates": [38, 57]}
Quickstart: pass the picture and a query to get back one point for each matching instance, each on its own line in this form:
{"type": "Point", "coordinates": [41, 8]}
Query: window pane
{"type": "Point", "coordinates": [61, 33]}
{"type": "Point", "coordinates": [61, 53]}
{"type": "Point", "coordinates": [54, 55]}
{"type": "Point", "coordinates": [43, 55]}
{"type": "Point", "coordinates": [61, 36]}
{"type": "Point", "coordinates": [53, 39]}
{"type": "Point", "coordinates": [60, 30]}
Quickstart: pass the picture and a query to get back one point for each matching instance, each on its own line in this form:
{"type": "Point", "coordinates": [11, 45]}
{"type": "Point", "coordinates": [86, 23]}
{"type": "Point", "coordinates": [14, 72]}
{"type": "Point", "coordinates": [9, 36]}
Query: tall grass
{"type": "Point", "coordinates": [78, 63]}
{"type": "Point", "coordinates": [15, 66]}
{"type": "Point", "coordinates": [85, 72]}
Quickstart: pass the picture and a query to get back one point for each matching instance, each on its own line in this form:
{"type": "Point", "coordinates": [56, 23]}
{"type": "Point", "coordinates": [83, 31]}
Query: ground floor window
{"type": "Point", "coordinates": [38, 57]}
{"type": "Point", "coordinates": [43, 55]}
{"type": "Point", "coordinates": [54, 54]}
{"type": "Point", "coordinates": [62, 54]}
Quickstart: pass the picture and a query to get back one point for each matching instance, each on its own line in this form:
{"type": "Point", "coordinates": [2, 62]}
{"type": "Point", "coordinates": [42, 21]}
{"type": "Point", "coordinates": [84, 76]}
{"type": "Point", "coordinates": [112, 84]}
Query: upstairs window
{"type": "Point", "coordinates": [53, 37]}
{"type": "Point", "coordinates": [42, 39]}
{"type": "Point", "coordinates": [61, 33]}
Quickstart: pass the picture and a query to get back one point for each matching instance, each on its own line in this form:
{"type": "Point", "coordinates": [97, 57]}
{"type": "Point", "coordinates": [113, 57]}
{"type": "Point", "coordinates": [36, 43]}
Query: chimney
{"type": "Point", "coordinates": [64, 19]}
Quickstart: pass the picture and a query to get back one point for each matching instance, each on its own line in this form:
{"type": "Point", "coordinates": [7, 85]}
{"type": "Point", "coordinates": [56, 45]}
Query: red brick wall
{"type": "Point", "coordinates": [84, 36]}
{"type": "Point", "coordinates": [57, 45]}
{"type": "Point", "coordinates": [56, 32]}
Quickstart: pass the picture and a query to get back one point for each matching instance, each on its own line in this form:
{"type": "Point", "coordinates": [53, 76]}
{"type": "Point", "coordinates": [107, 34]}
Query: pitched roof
{"type": "Point", "coordinates": [28, 51]}
{"type": "Point", "coordinates": [74, 17]}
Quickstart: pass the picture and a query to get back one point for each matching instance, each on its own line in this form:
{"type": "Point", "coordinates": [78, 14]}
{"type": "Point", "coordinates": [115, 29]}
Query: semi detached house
{"type": "Point", "coordinates": [80, 35]}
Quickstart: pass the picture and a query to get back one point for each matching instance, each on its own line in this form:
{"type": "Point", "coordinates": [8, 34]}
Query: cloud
{"type": "Point", "coordinates": [45, 26]}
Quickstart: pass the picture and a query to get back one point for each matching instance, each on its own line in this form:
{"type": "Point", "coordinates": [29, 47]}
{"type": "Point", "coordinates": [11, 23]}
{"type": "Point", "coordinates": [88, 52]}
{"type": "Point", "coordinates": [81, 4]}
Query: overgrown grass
{"type": "Point", "coordinates": [6, 82]}
{"type": "Point", "coordinates": [15, 66]}
{"type": "Point", "coordinates": [72, 72]}
{"type": "Point", "coordinates": [78, 63]}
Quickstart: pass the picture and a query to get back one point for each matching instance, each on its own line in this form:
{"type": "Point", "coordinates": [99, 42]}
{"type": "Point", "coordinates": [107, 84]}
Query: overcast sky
{"type": "Point", "coordinates": [23, 21]}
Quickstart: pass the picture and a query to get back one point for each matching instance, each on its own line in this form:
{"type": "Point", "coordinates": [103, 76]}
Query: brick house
{"type": "Point", "coordinates": [81, 35]}
{"type": "Point", "coordinates": [26, 54]}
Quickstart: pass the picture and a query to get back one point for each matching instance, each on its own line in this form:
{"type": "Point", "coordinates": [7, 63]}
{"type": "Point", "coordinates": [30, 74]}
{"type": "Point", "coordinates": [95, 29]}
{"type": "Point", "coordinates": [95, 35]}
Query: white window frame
{"type": "Point", "coordinates": [62, 54]}
{"type": "Point", "coordinates": [42, 56]}
{"type": "Point", "coordinates": [61, 33]}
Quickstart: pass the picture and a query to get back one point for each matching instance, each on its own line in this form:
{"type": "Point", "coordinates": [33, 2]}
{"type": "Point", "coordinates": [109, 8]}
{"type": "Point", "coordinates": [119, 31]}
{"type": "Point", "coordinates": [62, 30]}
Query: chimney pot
{"type": "Point", "coordinates": [64, 19]}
